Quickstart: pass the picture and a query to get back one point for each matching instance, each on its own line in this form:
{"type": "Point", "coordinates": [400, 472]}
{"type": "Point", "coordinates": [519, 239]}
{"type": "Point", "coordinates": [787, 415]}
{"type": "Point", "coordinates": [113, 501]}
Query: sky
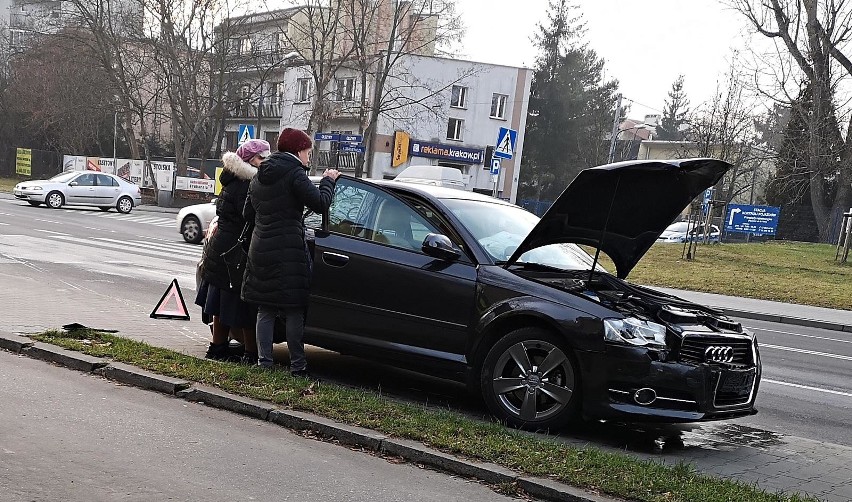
{"type": "Point", "coordinates": [646, 45]}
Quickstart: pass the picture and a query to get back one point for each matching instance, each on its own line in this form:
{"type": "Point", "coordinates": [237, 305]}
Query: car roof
{"type": "Point", "coordinates": [437, 192]}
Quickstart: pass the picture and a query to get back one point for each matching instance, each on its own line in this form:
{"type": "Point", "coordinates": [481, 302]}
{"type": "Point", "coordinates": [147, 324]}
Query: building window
{"type": "Point", "coordinates": [276, 41]}
{"type": "Point", "coordinates": [454, 129]}
{"type": "Point", "coordinates": [346, 89]}
{"type": "Point", "coordinates": [498, 106]}
{"type": "Point", "coordinates": [459, 98]}
{"type": "Point", "coordinates": [303, 90]}
{"type": "Point", "coordinates": [280, 89]}
{"type": "Point", "coordinates": [245, 45]}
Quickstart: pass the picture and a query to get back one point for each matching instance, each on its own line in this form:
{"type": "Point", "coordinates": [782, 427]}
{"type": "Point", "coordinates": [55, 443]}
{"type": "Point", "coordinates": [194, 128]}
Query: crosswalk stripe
{"type": "Point", "coordinates": [169, 248]}
{"type": "Point", "coordinates": [133, 247]}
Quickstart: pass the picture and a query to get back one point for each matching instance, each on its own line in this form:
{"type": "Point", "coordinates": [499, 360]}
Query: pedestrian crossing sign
{"type": "Point", "coordinates": [171, 305]}
{"type": "Point", "coordinates": [246, 132]}
{"type": "Point", "coordinates": [505, 147]}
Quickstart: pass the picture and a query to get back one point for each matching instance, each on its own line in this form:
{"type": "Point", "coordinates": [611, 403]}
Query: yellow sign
{"type": "Point", "coordinates": [218, 188]}
{"type": "Point", "coordinates": [400, 148]}
{"type": "Point", "coordinates": [24, 162]}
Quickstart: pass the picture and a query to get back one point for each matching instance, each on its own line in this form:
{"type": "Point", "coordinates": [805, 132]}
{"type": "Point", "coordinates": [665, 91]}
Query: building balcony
{"type": "Point", "coordinates": [250, 110]}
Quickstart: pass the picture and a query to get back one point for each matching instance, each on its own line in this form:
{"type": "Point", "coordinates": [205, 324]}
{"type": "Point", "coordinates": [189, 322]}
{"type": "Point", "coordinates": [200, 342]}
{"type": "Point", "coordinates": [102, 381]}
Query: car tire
{"type": "Point", "coordinates": [523, 394]}
{"type": "Point", "coordinates": [34, 203]}
{"type": "Point", "coordinates": [190, 228]}
{"type": "Point", "coordinates": [104, 208]}
{"type": "Point", "coordinates": [124, 205]}
{"type": "Point", "coordinates": [54, 200]}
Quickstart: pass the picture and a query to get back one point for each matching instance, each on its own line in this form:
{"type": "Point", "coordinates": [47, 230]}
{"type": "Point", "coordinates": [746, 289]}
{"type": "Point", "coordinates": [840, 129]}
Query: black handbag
{"type": "Point", "coordinates": [236, 258]}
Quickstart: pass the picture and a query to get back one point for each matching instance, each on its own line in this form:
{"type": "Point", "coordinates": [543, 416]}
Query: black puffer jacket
{"type": "Point", "coordinates": [277, 273]}
{"type": "Point", "coordinates": [235, 178]}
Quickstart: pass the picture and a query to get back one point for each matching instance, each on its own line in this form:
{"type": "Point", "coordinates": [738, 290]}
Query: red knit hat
{"type": "Point", "coordinates": [293, 141]}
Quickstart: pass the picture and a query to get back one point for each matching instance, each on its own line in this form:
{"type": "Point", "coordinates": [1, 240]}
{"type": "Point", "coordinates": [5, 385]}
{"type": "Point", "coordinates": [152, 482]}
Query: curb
{"type": "Point", "coordinates": [795, 321]}
{"type": "Point", "coordinates": [370, 440]}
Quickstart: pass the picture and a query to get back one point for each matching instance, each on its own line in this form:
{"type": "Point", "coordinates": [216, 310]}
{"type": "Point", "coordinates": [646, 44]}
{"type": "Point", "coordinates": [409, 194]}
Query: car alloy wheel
{"type": "Point", "coordinates": [55, 200]}
{"type": "Point", "coordinates": [125, 205]}
{"type": "Point", "coordinates": [529, 380]}
{"type": "Point", "coordinates": [191, 230]}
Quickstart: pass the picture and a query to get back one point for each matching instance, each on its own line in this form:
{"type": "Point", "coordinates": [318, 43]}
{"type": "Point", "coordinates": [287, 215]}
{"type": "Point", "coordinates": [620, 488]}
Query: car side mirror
{"type": "Point", "coordinates": [440, 246]}
{"type": "Point", "coordinates": [72, 184]}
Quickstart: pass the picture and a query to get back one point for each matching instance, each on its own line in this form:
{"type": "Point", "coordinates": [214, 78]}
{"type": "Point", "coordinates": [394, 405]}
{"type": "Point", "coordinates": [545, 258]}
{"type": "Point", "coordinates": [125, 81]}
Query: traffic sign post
{"type": "Point", "coordinates": [495, 174]}
{"type": "Point", "coordinates": [506, 140]}
{"type": "Point", "coordinates": [246, 132]}
{"type": "Point", "coordinates": [347, 143]}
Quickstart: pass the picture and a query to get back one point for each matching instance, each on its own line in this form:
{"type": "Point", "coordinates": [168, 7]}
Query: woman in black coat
{"type": "Point", "coordinates": [278, 273]}
{"type": "Point", "coordinates": [219, 293]}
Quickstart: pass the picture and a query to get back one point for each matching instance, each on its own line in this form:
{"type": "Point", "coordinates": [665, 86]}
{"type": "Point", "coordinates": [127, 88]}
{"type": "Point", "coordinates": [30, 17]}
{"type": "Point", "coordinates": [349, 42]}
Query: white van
{"type": "Point", "coordinates": [432, 175]}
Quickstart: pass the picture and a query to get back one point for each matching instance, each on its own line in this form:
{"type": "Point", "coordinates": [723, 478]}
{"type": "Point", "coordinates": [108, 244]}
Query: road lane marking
{"type": "Point", "coordinates": [164, 252]}
{"type": "Point", "coordinates": [806, 387]}
{"type": "Point", "coordinates": [47, 221]}
{"type": "Point", "coordinates": [157, 247]}
{"type": "Point", "coordinates": [802, 335]}
{"type": "Point", "coordinates": [804, 351]}
{"type": "Point", "coordinates": [51, 232]}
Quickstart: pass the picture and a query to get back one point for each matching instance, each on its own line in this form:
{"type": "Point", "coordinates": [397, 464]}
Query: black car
{"type": "Point", "coordinates": [471, 288]}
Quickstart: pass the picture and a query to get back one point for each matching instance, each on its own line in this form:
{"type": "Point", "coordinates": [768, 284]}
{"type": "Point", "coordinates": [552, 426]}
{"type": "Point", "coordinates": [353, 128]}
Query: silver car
{"type": "Point", "coordinates": [81, 188]}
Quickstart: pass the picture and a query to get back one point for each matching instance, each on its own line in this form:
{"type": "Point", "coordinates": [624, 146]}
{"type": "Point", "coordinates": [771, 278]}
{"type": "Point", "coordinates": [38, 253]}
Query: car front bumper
{"type": "Point", "coordinates": [644, 385]}
{"type": "Point", "coordinates": [31, 195]}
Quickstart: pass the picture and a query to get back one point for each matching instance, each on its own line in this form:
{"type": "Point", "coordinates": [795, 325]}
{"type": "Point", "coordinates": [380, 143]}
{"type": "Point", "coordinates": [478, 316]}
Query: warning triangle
{"type": "Point", "coordinates": [171, 305]}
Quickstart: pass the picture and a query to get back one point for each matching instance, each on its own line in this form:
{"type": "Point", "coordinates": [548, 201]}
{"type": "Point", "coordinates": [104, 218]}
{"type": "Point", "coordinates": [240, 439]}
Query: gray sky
{"type": "Point", "coordinates": [646, 45]}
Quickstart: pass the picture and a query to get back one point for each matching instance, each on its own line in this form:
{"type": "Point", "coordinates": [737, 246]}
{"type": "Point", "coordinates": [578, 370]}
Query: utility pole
{"type": "Point", "coordinates": [615, 118]}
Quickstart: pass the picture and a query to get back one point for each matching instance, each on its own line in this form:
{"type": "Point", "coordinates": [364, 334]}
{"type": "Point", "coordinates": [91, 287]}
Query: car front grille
{"type": "Point", "coordinates": [699, 349]}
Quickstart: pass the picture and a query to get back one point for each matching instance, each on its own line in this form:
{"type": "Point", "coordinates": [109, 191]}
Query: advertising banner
{"type": "Point", "coordinates": [446, 152]}
{"type": "Point", "coordinates": [107, 165]}
{"type": "Point", "coordinates": [164, 173]}
{"type": "Point", "coordinates": [755, 220]}
{"type": "Point", "coordinates": [24, 162]}
{"type": "Point", "coordinates": [195, 184]}
{"type": "Point", "coordinates": [73, 162]}
{"type": "Point", "coordinates": [93, 163]}
{"type": "Point", "coordinates": [400, 148]}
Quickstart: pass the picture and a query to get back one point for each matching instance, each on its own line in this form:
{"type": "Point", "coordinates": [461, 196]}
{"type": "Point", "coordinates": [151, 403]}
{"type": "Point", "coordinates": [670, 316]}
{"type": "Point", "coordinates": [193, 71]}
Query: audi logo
{"type": "Point", "coordinates": [719, 354]}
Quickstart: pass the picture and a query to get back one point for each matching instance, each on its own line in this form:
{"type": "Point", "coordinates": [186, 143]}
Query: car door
{"type": "Point", "coordinates": [106, 191]}
{"type": "Point", "coordinates": [81, 190]}
{"type": "Point", "coordinates": [375, 291]}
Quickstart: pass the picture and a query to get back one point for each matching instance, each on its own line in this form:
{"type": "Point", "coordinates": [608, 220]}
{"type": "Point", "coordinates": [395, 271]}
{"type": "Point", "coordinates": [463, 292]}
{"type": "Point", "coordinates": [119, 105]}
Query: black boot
{"type": "Point", "coordinates": [218, 352]}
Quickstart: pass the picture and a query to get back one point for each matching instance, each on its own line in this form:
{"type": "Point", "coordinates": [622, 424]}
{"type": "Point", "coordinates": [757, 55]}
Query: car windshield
{"type": "Point", "coordinates": [678, 227]}
{"type": "Point", "coordinates": [63, 177]}
{"type": "Point", "coordinates": [500, 229]}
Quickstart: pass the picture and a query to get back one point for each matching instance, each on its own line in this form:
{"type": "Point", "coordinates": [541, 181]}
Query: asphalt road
{"type": "Point", "coordinates": [65, 435]}
{"type": "Point", "coordinates": [127, 260]}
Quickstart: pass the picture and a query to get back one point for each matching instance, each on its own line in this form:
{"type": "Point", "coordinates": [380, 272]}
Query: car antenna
{"type": "Point", "coordinates": [603, 232]}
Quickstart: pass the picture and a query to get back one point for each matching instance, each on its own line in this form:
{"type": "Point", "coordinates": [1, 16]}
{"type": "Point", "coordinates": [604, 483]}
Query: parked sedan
{"type": "Point", "coordinates": [193, 221]}
{"type": "Point", "coordinates": [81, 188]}
{"type": "Point", "coordinates": [677, 232]}
{"type": "Point", "coordinates": [468, 287]}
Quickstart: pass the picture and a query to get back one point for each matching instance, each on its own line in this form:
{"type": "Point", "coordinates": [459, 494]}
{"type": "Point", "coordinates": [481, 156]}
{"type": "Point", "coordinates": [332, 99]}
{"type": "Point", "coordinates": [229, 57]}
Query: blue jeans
{"type": "Point", "coordinates": [294, 320]}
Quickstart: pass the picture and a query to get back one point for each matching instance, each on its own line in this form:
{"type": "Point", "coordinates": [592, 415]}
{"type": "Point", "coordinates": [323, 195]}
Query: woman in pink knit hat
{"type": "Point", "coordinates": [219, 294]}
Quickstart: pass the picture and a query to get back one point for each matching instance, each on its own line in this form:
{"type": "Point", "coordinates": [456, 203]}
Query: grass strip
{"type": "Point", "coordinates": [537, 455]}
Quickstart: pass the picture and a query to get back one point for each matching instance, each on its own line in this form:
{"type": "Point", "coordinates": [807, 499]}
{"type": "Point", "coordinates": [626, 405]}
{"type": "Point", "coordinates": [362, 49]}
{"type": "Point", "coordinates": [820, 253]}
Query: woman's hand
{"type": "Point", "coordinates": [331, 173]}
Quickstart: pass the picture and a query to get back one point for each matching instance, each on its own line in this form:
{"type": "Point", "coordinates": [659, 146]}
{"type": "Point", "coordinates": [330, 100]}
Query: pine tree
{"type": "Point", "coordinates": [571, 107]}
{"type": "Point", "coordinates": [675, 113]}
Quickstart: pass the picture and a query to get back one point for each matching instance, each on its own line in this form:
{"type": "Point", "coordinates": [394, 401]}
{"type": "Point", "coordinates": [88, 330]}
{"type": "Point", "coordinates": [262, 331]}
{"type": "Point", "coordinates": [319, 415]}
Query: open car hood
{"type": "Point", "coordinates": [622, 208]}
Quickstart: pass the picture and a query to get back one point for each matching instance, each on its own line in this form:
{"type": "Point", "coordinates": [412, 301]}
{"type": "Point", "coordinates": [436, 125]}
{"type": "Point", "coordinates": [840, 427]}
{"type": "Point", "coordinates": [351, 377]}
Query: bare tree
{"type": "Point", "coordinates": [815, 34]}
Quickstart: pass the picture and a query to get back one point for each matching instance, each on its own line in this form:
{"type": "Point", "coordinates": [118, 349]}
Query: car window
{"type": "Point", "coordinates": [105, 181]}
{"type": "Point", "coordinates": [368, 213]}
{"type": "Point", "coordinates": [63, 177]}
{"type": "Point", "coordinates": [85, 180]}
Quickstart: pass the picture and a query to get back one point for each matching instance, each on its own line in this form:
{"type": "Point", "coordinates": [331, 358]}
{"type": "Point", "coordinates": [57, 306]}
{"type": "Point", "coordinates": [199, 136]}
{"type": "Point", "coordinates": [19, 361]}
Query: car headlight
{"type": "Point", "coordinates": [633, 331]}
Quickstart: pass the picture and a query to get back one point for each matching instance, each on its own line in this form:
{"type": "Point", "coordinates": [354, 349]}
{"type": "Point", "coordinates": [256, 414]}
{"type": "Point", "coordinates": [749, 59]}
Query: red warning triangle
{"type": "Point", "coordinates": [171, 305]}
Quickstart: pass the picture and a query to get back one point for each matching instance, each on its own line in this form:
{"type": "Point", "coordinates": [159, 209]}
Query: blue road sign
{"type": "Point", "coordinates": [506, 140]}
{"type": "Point", "coordinates": [352, 138]}
{"type": "Point", "coordinates": [326, 136]}
{"type": "Point", "coordinates": [755, 220]}
{"type": "Point", "coordinates": [246, 132]}
{"type": "Point", "coordinates": [708, 196]}
{"type": "Point", "coordinates": [352, 148]}
{"type": "Point", "coordinates": [495, 166]}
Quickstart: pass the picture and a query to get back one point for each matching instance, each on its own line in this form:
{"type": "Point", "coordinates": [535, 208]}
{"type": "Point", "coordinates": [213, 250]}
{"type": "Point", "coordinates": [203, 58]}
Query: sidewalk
{"type": "Point", "coordinates": [764, 310]}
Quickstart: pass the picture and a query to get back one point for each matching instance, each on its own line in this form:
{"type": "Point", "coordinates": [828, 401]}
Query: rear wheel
{"type": "Point", "coordinates": [124, 205]}
{"type": "Point", "coordinates": [34, 203]}
{"type": "Point", "coordinates": [529, 379]}
{"type": "Point", "coordinates": [55, 200]}
{"type": "Point", "coordinates": [190, 228]}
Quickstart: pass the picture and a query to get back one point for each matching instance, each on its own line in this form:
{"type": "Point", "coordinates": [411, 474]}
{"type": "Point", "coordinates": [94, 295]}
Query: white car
{"type": "Point", "coordinates": [81, 188]}
{"type": "Point", "coordinates": [192, 221]}
{"type": "Point", "coordinates": [676, 232]}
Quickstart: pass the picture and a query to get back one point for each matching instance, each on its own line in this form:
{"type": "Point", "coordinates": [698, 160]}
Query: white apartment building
{"type": "Point", "coordinates": [450, 110]}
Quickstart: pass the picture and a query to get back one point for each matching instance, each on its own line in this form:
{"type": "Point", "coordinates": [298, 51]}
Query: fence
{"type": "Point", "coordinates": [43, 163]}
